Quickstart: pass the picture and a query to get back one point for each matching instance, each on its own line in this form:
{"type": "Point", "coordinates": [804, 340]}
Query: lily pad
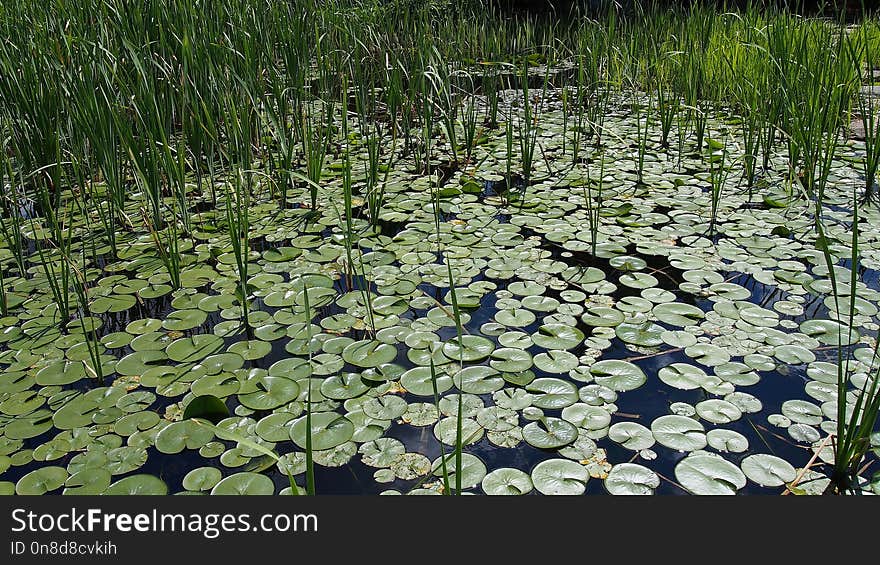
{"type": "Point", "coordinates": [560, 477]}
{"type": "Point", "coordinates": [141, 484]}
{"type": "Point", "coordinates": [507, 481]}
{"type": "Point", "coordinates": [768, 470]}
{"type": "Point", "coordinates": [245, 483]}
{"type": "Point", "coordinates": [679, 432]}
{"type": "Point", "coordinates": [618, 375]}
{"type": "Point", "coordinates": [550, 433]}
{"type": "Point", "coordinates": [631, 479]}
{"type": "Point", "coordinates": [329, 429]}
{"type": "Point", "coordinates": [41, 481]}
{"type": "Point", "coordinates": [707, 474]}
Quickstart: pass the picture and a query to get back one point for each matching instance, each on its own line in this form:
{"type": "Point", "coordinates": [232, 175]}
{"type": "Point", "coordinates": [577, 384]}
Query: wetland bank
{"type": "Point", "coordinates": [264, 247]}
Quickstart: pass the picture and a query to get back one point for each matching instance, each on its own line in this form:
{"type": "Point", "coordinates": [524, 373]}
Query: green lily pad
{"type": "Point", "coordinates": [550, 393]}
{"type": "Point", "coordinates": [631, 435]}
{"type": "Point", "coordinates": [707, 474]}
{"type": "Point", "coordinates": [178, 436]}
{"type": "Point", "coordinates": [507, 481]}
{"type": "Point", "coordinates": [473, 470]}
{"type": "Point", "coordinates": [682, 376]}
{"type": "Point", "coordinates": [386, 407]}
{"type": "Point", "coordinates": [645, 335]}
{"type": "Point", "coordinates": [511, 360]}
{"type": "Point", "coordinates": [251, 349]}
{"type": "Point", "coordinates": [560, 477]}
{"type": "Point", "coordinates": [550, 433]}
{"type": "Point", "coordinates": [586, 416]}
{"type": "Point", "coordinates": [41, 481]}
{"type": "Point", "coordinates": [329, 429]}
{"type": "Point", "coordinates": [678, 314]}
{"type": "Point", "coordinates": [90, 481]}
{"type": "Point", "coordinates": [141, 484]}
{"type": "Point", "coordinates": [718, 411]}
{"type": "Point", "coordinates": [679, 432]}
{"type": "Point", "coordinates": [368, 353]}
{"type": "Point", "coordinates": [727, 440]}
{"type": "Point", "coordinates": [181, 320]}
{"type": "Point", "coordinates": [419, 381]}
{"type": "Point", "coordinates": [267, 393]}
{"type": "Point", "coordinates": [830, 332]}
{"type": "Point", "coordinates": [556, 361]}
{"type": "Point", "coordinates": [768, 470]}
{"type": "Point", "coordinates": [602, 316]}
{"type": "Point", "coordinates": [472, 348]}
{"type": "Point", "coordinates": [618, 375]}
{"type": "Point", "coordinates": [631, 479]}
{"type": "Point", "coordinates": [344, 386]}
{"type": "Point", "coordinates": [557, 336]}
{"type": "Point", "coordinates": [515, 317]}
{"type": "Point", "coordinates": [478, 379]}
{"type": "Point", "coordinates": [245, 483]}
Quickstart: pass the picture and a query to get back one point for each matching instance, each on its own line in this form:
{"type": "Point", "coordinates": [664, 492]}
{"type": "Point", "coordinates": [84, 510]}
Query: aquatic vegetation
{"type": "Point", "coordinates": [435, 250]}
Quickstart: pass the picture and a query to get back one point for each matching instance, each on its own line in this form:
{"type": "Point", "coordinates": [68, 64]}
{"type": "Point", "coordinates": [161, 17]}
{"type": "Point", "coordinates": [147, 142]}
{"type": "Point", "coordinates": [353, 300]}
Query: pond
{"type": "Point", "coordinates": [614, 334]}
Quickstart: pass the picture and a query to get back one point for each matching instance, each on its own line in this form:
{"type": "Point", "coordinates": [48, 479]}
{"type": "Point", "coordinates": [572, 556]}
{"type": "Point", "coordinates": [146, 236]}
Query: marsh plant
{"type": "Point", "coordinates": [238, 229]}
{"type": "Point", "coordinates": [868, 107]}
{"type": "Point", "coordinates": [718, 173]}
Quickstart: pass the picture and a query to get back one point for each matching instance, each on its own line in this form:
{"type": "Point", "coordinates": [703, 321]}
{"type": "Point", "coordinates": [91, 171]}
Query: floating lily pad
{"type": "Point", "coordinates": [768, 470]}
{"type": "Point", "coordinates": [369, 353]}
{"type": "Point", "coordinates": [473, 470]}
{"type": "Point", "coordinates": [138, 485]}
{"type": "Point", "coordinates": [41, 481]}
{"type": "Point", "coordinates": [246, 483]}
{"type": "Point", "coordinates": [619, 376]}
{"type": "Point", "coordinates": [329, 429]}
{"type": "Point", "coordinates": [472, 348]}
{"type": "Point", "coordinates": [552, 393]}
{"type": "Point", "coordinates": [550, 433]}
{"type": "Point", "coordinates": [560, 477]}
{"type": "Point", "coordinates": [266, 393]}
{"type": "Point", "coordinates": [557, 336]}
{"type": "Point", "coordinates": [679, 432]}
{"type": "Point", "coordinates": [631, 435]}
{"type": "Point", "coordinates": [631, 479]}
{"type": "Point", "coordinates": [507, 481]}
{"type": "Point", "coordinates": [186, 434]}
{"type": "Point", "coordinates": [706, 474]}
{"type": "Point", "coordinates": [556, 361]}
{"type": "Point", "coordinates": [727, 441]}
{"type": "Point", "coordinates": [678, 314]}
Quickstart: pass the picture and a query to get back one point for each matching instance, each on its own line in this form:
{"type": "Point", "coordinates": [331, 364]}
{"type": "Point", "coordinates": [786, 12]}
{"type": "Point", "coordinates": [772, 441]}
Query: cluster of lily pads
{"type": "Point", "coordinates": [559, 330]}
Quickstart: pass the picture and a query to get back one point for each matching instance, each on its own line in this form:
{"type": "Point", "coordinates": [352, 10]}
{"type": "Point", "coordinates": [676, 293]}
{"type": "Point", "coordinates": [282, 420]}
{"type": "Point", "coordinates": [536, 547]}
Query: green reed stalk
{"type": "Point", "coordinates": [443, 466]}
{"type": "Point", "coordinates": [349, 239]}
{"type": "Point", "coordinates": [310, 462]}
{"type": "Point", "coordinates": [528, 128]}
{"type": "Point", "coordinates": [868, 109]}
{"type": "Point", "coordinates": [580, 108]}
{"type": "Point", "coordinates": [469, 127]}
{"type": "Point", "coordinates": [668, 105]}
{"type": "Point", "coordinates": [594, 211]}
{"type": "Point", "coordinates": [642, 132]}
{"type": "Point", "coordinates": [238, 229]}
{"type": "Point", "coordinates": [853, 434]}
{"type": "Point", "coordinates": [90, 335]}
{"type": "Point", "coordinates": [57, 273]}
{"type": "Point", "coordinates": [315, 138]}
{"type": "Point", "coordinates": [10, 216]}
{"type": "Point", "coordinates": [718, 173]}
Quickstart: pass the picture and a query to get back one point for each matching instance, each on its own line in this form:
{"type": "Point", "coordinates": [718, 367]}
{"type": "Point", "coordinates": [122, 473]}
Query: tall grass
{"type": "Point", "coordinates": [868, 106]}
